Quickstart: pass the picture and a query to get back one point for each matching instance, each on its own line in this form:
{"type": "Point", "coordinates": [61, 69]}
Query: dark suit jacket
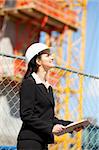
{"type": "Point", "coordinates": [37, 112]}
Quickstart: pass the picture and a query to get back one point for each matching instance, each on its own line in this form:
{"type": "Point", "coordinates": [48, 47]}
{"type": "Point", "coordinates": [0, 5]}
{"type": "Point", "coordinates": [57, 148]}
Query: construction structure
{"type": "Point", "coordinates": [62, 25]}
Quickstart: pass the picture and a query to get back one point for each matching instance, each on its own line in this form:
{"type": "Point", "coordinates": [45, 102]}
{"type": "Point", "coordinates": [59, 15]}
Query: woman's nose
{"type": "Point", "coordinates": [52, 57]}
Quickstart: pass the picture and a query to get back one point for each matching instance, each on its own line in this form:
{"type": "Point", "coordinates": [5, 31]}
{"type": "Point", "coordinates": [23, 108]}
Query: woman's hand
{"type": "Point", "coordinates": [57, 128]}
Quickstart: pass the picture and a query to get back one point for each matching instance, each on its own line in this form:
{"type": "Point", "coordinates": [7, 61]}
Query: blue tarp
{"type": "Point", "coordinates": [8, 148]}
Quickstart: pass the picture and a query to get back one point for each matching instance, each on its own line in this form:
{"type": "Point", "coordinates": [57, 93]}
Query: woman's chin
{"type": "Point", "coordinates": [49, 67]}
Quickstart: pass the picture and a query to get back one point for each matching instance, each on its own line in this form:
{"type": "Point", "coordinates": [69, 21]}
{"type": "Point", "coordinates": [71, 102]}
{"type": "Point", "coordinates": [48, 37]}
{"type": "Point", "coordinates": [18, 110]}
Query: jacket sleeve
{"type": "Point", "coordinates": [63, 122]}
{"type": "Point", "coordinates": [27, 103]}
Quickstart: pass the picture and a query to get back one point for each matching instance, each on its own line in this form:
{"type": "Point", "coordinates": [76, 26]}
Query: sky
{"type": "Point", "coordinates": [92, 38]}
{"type": "Point", "coordinates": [91, 95]}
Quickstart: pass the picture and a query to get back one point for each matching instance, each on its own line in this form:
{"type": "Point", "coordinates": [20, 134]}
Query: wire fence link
{"type": "Point", "coordinates": [76, 97]}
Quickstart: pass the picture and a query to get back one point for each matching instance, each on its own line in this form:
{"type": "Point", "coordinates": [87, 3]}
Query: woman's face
{"type": "Point", "coordinates": [46, 60]}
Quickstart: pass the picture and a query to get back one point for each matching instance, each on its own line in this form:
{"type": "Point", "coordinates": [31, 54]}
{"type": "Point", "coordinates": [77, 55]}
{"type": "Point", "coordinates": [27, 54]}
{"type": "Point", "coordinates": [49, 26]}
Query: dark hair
{"type": "Point", "coordinates": [32, 66]}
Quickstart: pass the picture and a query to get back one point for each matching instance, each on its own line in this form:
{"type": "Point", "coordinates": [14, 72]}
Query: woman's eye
{"type": "Point", "coordinates": [48, 54]}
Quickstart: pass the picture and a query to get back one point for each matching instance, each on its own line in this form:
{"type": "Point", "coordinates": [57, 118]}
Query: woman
{"type": "Point", "coordinates": [37, 102]}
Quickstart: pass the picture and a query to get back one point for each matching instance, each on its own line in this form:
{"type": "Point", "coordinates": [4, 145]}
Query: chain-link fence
{"type": "Point", "coordinates": [76, 97]}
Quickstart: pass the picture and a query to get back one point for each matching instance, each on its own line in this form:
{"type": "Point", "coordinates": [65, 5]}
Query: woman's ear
{"type": "Point", "coordinates": [38, 61]}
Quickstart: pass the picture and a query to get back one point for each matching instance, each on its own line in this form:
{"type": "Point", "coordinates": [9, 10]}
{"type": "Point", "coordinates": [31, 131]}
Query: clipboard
{"type": "Point", "coordinates": [71, 127]}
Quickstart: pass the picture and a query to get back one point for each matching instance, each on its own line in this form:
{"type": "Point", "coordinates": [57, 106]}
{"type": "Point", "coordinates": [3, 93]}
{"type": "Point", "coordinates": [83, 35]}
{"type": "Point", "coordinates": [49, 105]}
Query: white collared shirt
{"type": "Point", "coordinates": [38, 80]}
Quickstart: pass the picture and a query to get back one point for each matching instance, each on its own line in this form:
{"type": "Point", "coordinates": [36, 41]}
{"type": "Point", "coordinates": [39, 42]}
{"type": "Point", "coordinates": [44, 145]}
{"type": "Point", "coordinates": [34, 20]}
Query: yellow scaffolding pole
{"type": "Point", "coordinates": [65, 141]}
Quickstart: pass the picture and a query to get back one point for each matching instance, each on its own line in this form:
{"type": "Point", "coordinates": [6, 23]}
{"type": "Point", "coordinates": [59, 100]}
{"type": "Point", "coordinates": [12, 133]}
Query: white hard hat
{"type": "Point", "coordinates": [34, 49]}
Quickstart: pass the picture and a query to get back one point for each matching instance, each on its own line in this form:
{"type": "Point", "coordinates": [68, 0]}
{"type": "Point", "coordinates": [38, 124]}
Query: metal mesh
{"type": "Point", "coordinates": [76, 97]}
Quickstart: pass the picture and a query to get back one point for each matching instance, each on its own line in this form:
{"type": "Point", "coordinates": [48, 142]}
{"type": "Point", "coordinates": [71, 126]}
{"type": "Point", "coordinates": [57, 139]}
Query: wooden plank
{"type": "Point", "coordinates": [49, 11]}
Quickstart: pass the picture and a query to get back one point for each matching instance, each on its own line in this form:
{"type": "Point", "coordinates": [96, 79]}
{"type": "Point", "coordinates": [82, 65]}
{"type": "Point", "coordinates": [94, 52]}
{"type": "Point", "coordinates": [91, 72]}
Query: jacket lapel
{"type": "Point", "coordinates": [48, 93]}
{"type": "Point", "coordinates": [51, 95]}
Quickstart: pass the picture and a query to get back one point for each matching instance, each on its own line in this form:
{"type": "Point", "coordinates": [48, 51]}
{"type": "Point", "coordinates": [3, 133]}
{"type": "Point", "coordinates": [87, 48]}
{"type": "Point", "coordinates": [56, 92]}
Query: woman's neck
{"type": "Point", "coordinates": [42, 74]}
